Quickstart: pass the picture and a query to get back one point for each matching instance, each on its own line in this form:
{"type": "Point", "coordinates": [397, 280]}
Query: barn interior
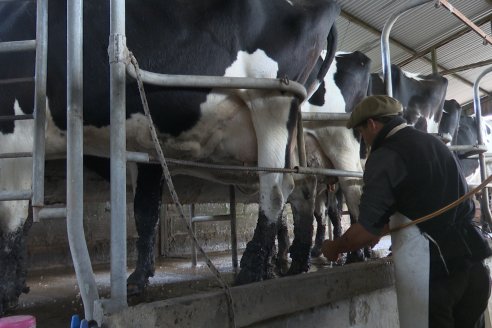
{"type": "Point", "coordinates": [452, 38]}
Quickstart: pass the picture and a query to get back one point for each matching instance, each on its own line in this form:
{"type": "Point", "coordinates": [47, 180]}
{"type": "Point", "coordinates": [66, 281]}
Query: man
{"type": "Point", "coordinates": [441, 280]}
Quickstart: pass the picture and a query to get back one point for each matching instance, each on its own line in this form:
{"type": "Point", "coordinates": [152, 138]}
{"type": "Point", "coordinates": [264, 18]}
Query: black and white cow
{"type": "Point", "coordinates": [450, 120]}
{"type": "Point", "coordinates": [245, 38]}
{"type": "Point", "coordinates": [330, 146]}
{"type": "Point", "coordinates": [422, 96]}
{"type": "Point", "coordinates": [466, 134]}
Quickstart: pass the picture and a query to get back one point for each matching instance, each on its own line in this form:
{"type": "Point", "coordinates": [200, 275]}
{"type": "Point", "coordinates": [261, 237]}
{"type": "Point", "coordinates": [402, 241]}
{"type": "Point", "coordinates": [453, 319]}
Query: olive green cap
{"type": "Point", "coordinates": [374, 106]}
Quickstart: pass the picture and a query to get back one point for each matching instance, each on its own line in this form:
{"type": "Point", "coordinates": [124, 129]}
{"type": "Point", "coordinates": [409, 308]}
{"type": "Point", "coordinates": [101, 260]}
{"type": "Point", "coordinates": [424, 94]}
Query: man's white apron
{"type": "Point", "coordinates": [411, 259]}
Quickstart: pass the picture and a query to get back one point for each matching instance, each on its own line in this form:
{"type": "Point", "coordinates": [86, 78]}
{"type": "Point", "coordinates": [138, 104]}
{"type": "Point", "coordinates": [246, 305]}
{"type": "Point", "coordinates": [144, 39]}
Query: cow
{"type": "Point", "coordinates": [448, 125]}
{"type": "Point", "coordinates": [244, 38]}
{"type": "Point", "coordinates": [422, 96]}
{"type": "Point", "coordinates": [329, 146]}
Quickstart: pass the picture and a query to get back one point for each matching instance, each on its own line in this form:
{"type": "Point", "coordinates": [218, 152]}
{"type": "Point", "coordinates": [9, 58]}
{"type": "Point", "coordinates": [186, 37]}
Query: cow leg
{"type": "Point", "coordinates": [302, 203]}
{"type": "Point", "coordinates": [319, 209]}
{"type": "Point", "coordinates": [282, 263]}
{"type": "Point", "coordinates": [13, 271]}
{"type": "Point", "coordinates": [146, 206]}
{"type": "Point", "coordinates": [335, 209]}
{"type": "Point", "coordinates": [274, 120]}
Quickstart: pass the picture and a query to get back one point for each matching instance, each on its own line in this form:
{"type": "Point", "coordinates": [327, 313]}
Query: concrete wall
{"type": "Point", "coordinates": [48, 244]}
{"type": "Point", "coordinates": [358, 295]}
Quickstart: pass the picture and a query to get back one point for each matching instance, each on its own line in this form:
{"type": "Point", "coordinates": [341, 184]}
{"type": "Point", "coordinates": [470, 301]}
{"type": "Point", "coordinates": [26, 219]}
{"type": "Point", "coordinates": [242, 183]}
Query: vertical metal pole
{"type": "Point", "coordinates": [39, 107]}
{"type": "Point", "coordinates": [434, 60]}
{"type": "Point", "coordinates": [117, 53]}
{"type": "Point", "coordinates": [232, 194]}
{"type": "Point", "coordinates": [385, 49]}
{"type": "Point", "coordinates": [485, 206]}
{"type": "Point", "coordinates": [75, 190]}
{"type": "Point", "coordinates": [193, 225]}
{"type": "Point", "coordinates": [301, 145]}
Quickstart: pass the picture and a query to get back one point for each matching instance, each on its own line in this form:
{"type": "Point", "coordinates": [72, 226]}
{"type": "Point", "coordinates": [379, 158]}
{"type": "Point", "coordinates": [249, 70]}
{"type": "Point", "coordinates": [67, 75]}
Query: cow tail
{"type": "Point", "coordinates": [331, 48]}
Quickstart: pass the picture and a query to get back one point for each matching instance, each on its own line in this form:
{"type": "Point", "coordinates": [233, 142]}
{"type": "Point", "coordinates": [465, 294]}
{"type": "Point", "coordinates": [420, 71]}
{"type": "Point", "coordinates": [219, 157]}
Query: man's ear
{"type": "Point", "coordinates": [371, 123]}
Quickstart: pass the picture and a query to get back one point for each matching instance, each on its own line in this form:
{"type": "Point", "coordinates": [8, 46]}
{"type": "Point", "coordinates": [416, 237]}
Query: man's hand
{"type": "Point", "coordinates": [330, 250]}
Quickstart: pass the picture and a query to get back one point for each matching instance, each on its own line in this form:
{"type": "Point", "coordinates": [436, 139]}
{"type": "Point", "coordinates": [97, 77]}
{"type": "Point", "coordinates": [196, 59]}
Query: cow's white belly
{"type": "Point", "coordinates": [231, 121]}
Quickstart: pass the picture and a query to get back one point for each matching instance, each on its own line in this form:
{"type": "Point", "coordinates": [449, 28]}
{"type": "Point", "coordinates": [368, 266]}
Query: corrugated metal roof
{"type": "Point", "coordinates": [418, 30]}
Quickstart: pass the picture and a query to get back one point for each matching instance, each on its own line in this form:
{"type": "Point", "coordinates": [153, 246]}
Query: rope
{"type": "Point", "coordinates": [174, 196]}
{"type": "Point", "coordinates": [427, 217]}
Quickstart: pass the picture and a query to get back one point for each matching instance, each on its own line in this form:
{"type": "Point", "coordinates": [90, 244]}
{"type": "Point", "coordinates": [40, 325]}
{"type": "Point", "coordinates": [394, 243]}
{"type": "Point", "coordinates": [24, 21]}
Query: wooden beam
{"type": "Point", "coordinates": [486, 38]}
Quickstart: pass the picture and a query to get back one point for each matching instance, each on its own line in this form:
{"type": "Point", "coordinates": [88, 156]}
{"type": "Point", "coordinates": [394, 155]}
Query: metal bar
{"type": "Point", "coordinates": [485, 206]}
{"type": "Point", "coordinates": [233, 216]}
{"type": "Point", "coordinates": [466, 67]}
{"type": "Point", "coordinates": [52, 213]}
{"type": "Point", "coordinates": [193, 226]}
{"type": "Point", "coordinates": [477, 148]}
{"type": "Point", "coordinates": [117, 51]}
{"type": "Point", "coordinates": [16, 195]}
{"type": "Point", "coordinates": [210, 218]}
{"type": "Point", "coordinates": [221, 82]}
{"type": "Point", "coordinates": [486, 38]}
{"type": "Point", "coordinates": [301, 146]}
{"type": "Point", "coordinates": [434, 60]}
{"type": "Point", "coordinates": [320, 116]}
{"type": "Point", "coordinates": [15, 155]}
{"type": "Point", "coordinates": [15, 46]}
{"type": "Point", "coordinates": [16, 117]}
{"type": "Point", "coordinates": [329, 172]}
{"type": "Point", "coordinates": [75, 190]}
{"type": "Point", "coordinates": [16, 80]}
{"type": "Point", "coordinates": [38, 149]}
{"type": "Point", "coordinates": [385, 49]}
{"type": "Point", "coordinates": [137, 157]}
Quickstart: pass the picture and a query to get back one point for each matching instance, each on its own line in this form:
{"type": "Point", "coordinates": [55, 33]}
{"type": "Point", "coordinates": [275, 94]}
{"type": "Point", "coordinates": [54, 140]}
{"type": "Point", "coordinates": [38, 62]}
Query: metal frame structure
{"type": "Point", "coordinates": [93, 306]}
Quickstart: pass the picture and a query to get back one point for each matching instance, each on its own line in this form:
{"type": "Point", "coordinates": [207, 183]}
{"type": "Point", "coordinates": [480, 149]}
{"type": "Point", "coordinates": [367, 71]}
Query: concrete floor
{"type": "Point", "coordinates": [54, 294]}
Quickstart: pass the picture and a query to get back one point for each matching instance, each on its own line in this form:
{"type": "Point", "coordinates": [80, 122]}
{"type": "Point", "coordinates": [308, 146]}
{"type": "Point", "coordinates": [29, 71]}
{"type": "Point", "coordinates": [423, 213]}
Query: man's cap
{"type": "Point", "coordinates": [374, 106]}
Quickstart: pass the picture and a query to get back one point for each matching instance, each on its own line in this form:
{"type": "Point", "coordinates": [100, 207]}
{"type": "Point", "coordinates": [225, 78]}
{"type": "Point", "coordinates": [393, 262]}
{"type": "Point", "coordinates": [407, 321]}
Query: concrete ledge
{"type": "Point", "coordinates": [258, 302]}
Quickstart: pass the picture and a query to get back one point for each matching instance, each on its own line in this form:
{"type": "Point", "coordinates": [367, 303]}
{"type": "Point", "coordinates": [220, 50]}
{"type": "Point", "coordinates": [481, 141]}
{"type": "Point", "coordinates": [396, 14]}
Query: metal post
{"type": "Point", "coordinates": [385, 50]}
{"type": "Point", "coordinates": [38, 152]}
{"type": "Point", "coordinates": [75, 227]}
{"type": "Point", "coordinates": [434, 60]}
{"type": "Point", "coordinates": [232, 194]}
{"type": "Point", "coordinates": [485, 207]}
{"type": "Point", "coordinates": [117, 53]}
{"type": "Point", "coordinates": [193, 226]}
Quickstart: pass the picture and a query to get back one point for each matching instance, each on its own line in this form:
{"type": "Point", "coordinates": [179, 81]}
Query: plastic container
{"type": "Point", "coordinates": [18, 321]}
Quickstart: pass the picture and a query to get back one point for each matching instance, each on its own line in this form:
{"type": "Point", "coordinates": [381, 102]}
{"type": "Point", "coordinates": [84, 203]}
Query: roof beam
{"type": "Point", "coordinates": [376, 31]}
{"type": "Point", "coordinates": [445, 41]}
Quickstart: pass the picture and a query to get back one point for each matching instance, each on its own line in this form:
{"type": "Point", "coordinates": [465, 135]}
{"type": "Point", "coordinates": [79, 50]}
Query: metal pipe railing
{"type": "Point", "coordinates": [485, 206]}
{"type": "Point", "coordinates": [221, 82]}
{"type": "Point", "coordinates": [14, 46]}
{"type": "Point", "coordinates": [117, 55]}
{"type": "Point", "coordinates": [38, 150]}
{"type": "Point", "coordinates": [75, 190]}
{"type": "Point", "coordinates": [385, 49]}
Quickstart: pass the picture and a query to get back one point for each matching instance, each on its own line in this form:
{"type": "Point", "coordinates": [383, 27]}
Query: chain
{"type": "Point", "coordinates": [167, 176]}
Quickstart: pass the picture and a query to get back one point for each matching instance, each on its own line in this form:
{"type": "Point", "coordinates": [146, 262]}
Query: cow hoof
{"type": "Point", "coordinates": [135, 284]}
{"type": "Point", "coordinates": [8, 304]}
{"type": "Point", "coordinates": [316, 251]}
{"type": "Point", "coordinates": [247, 276]}
{"type": "Point", "coordinates": [354, 257]}
{"type": "Point", "coordinates": [282, 266]}
{"type": "Point", "coordinates": [296, 268]}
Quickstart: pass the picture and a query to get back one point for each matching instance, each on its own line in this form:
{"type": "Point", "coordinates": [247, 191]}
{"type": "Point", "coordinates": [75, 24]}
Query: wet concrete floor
{"type": "Point", "coordinates": [54, 294]}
